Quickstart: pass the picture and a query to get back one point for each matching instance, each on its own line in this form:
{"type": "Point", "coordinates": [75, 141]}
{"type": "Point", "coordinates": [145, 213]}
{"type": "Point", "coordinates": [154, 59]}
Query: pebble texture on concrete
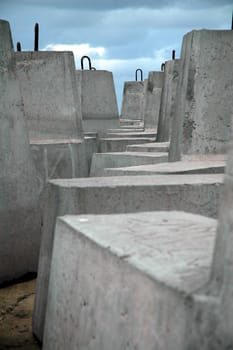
{"type": "Point", "coordinates": [20, 220]}
{"type": "Point", "coordinates": [124, 281]}
{"type": "Point", "coordinates": [50, 94]}
{"type": "Point", "coordinates": [204, 100]}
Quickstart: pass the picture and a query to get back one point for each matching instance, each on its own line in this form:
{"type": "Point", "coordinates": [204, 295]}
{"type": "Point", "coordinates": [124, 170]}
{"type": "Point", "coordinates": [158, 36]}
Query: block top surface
{"type": "Point", "coordinates": [173, 248]}
{"type": "Point", "coordinates": [142, 180]}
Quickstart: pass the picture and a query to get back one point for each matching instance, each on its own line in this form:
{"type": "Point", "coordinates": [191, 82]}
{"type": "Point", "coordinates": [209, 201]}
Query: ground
{"type": "Point", "coordinates": [16, 305]}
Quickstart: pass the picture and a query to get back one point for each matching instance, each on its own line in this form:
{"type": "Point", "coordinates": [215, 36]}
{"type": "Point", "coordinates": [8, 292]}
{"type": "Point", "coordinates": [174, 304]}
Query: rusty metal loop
{"type": "Point", "coordinates": [162, 67]}
{"type": "Point", "coordinates": [173, 54]}
{"type": "Point", "coordinates": [89, 61]}
{"type": "Point", "coordinates": [136, 74]}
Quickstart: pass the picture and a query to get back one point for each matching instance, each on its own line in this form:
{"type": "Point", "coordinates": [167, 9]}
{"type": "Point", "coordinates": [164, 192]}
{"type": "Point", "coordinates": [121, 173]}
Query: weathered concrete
{"type": "Point", "coordinates": [56, 159]}
{"type": "Point", "coordinates": [153, 99]}
{"type": "Point", "coordinates": [148, 133]}
{"type": "Point", "coordinates": [149, 147]}
{"type": "Point", "coordinates": [121, 159]}
{"type": "Point", "coordinates": [133, 123]}
{"type": "Point", "coordinates": [50, 95]}
{"type": "Point", "coordinates": [19, 215]}
{"type": "Point", "coordinates": [133, 100]}
{"type": "Point", "coordinates": [99, 104]}
{"type": "Point", "coordinates": [125, 281]}
{"type": "Point", "coordinates": [194, 193]}
{"type": "Point", "coordinates": [115, 144]}
{"type": "Point", "coordinates": [168, 100]}
{"type": "Point", "coordinates": [204, 100]}
{"type": "Point", "coordinates": [180, 167]}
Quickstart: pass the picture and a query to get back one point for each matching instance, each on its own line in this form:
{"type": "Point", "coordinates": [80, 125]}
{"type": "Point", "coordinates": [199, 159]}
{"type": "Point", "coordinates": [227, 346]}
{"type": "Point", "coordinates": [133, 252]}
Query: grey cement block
{"type": "Point", "coordinates": [194, 193]}
{"type": "Point", "coordinates": [133, 100]}
{"type": "Point", "coordinates": [121, 159]}
{"type": "Point", "coordinates": [168, 100]}
{"type": "Point", "coordinates": [146, 133]}
{"type": "Point", "coordinates": [115, 144]}
{"type": "Point", "coordinates": [153, 99]}
{"type": "Point", "coordinates": [204, 100]}
{"type": "Point", "coordinates": [181, 167]}
{"type": "Point", "coordinates": [56, 159]}
{"type": "Point", "coordinates": [50, 95]}
{"type": "Point", "coordinates": [99, 104]}
{"type": "Point", "coordinates": [126, 281]}
{"type": "Point", "coordinates": [20, 219]}
{"type": "Point", "coordinates": [149, 147]}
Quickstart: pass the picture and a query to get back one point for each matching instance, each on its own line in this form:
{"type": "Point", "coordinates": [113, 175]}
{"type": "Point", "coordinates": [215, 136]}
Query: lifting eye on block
{"type": "Point", "coordinates": [36, 37]}
{"type": "Point", "coordinates": [136, 74]}
{"type": "Point", "coordinates": [162, 67]}
{"type": "Point", "coordinates": [89, 61]}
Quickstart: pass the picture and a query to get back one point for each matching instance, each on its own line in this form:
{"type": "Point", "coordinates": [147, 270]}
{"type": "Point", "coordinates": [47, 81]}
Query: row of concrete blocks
{"type": "Point", "coordinates": [155, 280]}
{"type": "Point", "coordinates": [22, 167]}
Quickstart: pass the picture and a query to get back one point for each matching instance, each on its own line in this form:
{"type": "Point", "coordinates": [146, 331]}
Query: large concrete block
{"type": "Point", "coordinates": [99, 104]}
{"type": "Point", "coordinates": [100, 161]}
{"type": "Point", "coordinates": [180, 167]}
{"type": "Point", "coordinates": [119, 144]}
{"type": "Point", "coordinates": [20, 221]}
{"type": "Point", "coordinates": [52, 101]}
{"type": "Point", "coordinates": [149, 147]}
{"type": "Point", "coordinates": [126, 281]}
{"type": "Point", "coordinates": [204, 100]}
{"type": "Point", "coordinates": [133, 100]}
{"type": "Point", "coordinates": [168, 100]}
{"type": "Point", "coordinates": [194, 193]}
{"type": "Point", "coordinates": [153, 99]}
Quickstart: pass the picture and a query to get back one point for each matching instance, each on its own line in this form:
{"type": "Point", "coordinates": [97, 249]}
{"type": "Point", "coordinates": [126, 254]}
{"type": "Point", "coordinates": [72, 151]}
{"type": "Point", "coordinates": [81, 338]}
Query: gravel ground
{"type": "Point", "coordinates": [16, 305]}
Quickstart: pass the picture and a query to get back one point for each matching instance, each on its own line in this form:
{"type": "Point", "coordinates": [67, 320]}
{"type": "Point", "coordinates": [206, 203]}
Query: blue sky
{"type": "Point", "coordinates": [118, 35]}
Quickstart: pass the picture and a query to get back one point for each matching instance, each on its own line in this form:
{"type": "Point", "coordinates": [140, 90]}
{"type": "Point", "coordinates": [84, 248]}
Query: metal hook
{"type": "Point", "coordinates": [173, 54]}
{"type": "Point", "coordinates": [136, 74]}
{"type": "Point", "coordinates": [232, 21]}
{"type": "Point", "coordinates": [18, 45]}
{"type": "Point", "coordinates": [89, 61]}
{"type": "Point", "coordinates": [162, 67]}
{"type": "Point", "coordinates": [36, 37]}
{"type": "Point", "coordinates": [93, 68]}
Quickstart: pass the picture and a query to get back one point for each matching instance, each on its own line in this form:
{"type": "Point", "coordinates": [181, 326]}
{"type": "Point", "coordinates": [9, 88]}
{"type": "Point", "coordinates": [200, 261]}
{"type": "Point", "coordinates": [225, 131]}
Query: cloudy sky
{"type": "Point", "coordinates": [118, 35]}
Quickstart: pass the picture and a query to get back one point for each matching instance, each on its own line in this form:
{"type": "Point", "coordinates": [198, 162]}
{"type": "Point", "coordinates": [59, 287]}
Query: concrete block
{"type": "Point", "coordinates": [49, 90]}
{"type": "Point", "coordinates": [153, 99]}
{"type": "Point", "coordinates": [133, 100]}
{"type": "Point", "coordinates": [168, 100]}
{"type": "Point", "coordinates": [193, 193]}
{"type": "Point", "coordinates": [126, 281]}
{"type": "Point", "coordinates": [180, 167]}
{"type": "Point", "coordinates": [100, 161]}
{"type": "Point", "coordinates": [99, 104]}
{"type": "Point", "coordinates": [149, 147]}
{"type": "Point", "coordinates": [20, 219]}
{"type": "Point", "coordinates": [115, 144]}
{"type": "Point", "coordinates": [56, 159]}
{"type": "Point", "coordinates": [204, 100]}
{"type": "Point", "coordinates": [146, 133]}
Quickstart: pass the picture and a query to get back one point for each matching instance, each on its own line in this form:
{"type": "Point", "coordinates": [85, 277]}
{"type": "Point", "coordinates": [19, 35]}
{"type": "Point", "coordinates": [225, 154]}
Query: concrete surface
{"type": "Point", "coordinates": [193, 193]}
{"type": "Point", "coordinates": [49, 90]}
{"type": "Point", "coordinates": [153, 99]}
{"type": "Point", "coordinates": [59, 159]}
{"type": "Point", "coordinates": [149, 147]}
{"type": "Point", "coordinates": [133, 100]}
{"type": "Point", "coordinates": [99, 104]}
{"type": "Point", "coordinates": [125, 281]}
{"type": "Point", "coordinates": [168, 100]}
{"type": "Point", "coordinates": [20, 219]}
{"type": "Point", "coordinates": [204, 100]}
{"type": "Point", "coordinates": [145, 133]}
{"type": "Point", "coordinates": [121, 159]}
{"type": "Point", "coordinates": [115, 144]}
{"type": "Point", "coordinates": [180, 167]}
